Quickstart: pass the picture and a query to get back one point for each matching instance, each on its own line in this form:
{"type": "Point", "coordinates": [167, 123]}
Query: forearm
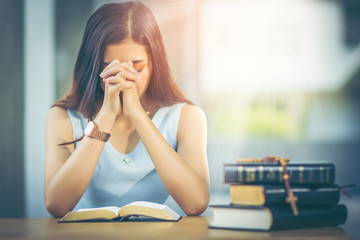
{"type": "Point", "coordinates": [188, 189]}
{"type": "Point", "coordinates": [68, 184]}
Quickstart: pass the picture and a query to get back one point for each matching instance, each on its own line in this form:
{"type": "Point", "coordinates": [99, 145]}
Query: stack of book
{"type": "Point", "coordinates": [259, 197]}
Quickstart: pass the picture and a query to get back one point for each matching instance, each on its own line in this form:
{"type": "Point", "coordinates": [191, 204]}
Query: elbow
{"type": "Point", "coordinates": [55, 208]}
{"type": "Point", "coordinates": [197, 207]}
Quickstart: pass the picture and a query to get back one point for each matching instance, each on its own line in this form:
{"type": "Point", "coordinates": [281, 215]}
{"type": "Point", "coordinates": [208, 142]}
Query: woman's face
{"type": "Point", "coordinates": [129, 50]}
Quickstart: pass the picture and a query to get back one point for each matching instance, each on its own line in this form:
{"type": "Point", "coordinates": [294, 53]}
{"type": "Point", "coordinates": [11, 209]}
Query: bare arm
{"type": "Point", "coordinates": [67, 171]}
{"type": "Point", "coordinates": [185, 172]}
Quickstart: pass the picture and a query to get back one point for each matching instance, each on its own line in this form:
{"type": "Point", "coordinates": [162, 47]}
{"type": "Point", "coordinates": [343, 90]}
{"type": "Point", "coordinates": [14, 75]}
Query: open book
{"type": "Point", "coordinates": [139, 210]}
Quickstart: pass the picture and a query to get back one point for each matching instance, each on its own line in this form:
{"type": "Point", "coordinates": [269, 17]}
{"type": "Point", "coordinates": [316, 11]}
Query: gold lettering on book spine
{"type": "Point", "coordinates": [322, 175]}
{"type": "Point", "coordinates": [281, 173]}
{"type": "Point", "coordinates": [240, 173]}
{"type": "Point", "coordinates": [327, 175]}
{"type": "Point", "coordinates": [301, 174]}
{"type": "Point", "coordinates": [250, 174]}
{"type": "Point", "coordinates": [261, 173]}
{"type": "Point", "coordinates": [271, 174]}
{"type": "Point", "coordinates": [311, 176]}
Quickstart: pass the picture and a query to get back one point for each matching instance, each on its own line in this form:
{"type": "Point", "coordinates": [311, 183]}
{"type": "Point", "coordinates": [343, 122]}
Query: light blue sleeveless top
{"type": "Point", "coordinates": [120, 178]}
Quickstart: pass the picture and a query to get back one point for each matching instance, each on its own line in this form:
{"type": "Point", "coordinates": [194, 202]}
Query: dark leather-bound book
{"type": "Point", "coordinates": [304, 173]}
{"type": "Point", "coordinates": [276, 217]}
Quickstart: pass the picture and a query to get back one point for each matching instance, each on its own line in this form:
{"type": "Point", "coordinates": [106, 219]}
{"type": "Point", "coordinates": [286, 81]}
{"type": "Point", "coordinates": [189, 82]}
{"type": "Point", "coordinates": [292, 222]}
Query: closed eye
{"type": "Point", "coordinates": [140, 70]}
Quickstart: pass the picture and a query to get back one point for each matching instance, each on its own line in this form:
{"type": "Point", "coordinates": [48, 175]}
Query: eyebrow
{"type": "Point", "coordinates": [134, 61]}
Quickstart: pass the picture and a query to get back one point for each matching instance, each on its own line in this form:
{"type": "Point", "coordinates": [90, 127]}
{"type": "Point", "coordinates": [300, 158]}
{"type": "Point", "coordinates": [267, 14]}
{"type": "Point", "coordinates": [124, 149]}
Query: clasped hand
{"type": "Point", "coordinates": [120, 77]}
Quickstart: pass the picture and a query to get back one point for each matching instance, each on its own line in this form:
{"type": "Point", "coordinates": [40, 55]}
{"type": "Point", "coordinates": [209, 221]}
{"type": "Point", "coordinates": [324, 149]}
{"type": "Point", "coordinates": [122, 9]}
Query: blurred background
{"type": "Point", "coordinates": [274, 77]}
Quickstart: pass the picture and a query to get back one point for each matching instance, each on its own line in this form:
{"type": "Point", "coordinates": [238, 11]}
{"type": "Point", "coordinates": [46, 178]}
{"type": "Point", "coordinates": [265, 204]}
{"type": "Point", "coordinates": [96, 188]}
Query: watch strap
{"type": "Point", "coordinates": [97, 134]}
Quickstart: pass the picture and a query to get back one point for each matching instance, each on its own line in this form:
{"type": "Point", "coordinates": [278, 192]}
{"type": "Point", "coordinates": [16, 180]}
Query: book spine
{"type": "Point", "coordinates": [314, 216]}
{"type": "Point", "coordinates": [322, 195]}
{"type": "Point", "coordinates": [268, 174]}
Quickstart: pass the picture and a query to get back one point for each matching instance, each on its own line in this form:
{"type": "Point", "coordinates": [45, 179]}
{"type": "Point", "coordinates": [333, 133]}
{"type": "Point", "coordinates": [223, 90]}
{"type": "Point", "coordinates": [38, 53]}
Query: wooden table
{"type": "Point", "coordinates": [186, 228]}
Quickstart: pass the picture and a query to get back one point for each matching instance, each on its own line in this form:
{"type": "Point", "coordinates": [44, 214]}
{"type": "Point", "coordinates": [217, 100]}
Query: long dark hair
{"type": "Point", "coordinates": [114, 23]}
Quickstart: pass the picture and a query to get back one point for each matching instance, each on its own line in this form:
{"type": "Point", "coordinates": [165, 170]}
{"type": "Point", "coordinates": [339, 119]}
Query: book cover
{"type": "Point", "coordinates": [276, 194]}
{"type": "Point", "coordinates": [303, 173]}
{"type": "Point", "coordinates": [140, 210]}
{"type": "Point", "coordinates": [276, 217]}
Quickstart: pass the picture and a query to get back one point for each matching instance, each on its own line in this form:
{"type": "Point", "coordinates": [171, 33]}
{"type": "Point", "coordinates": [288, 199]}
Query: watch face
{"type": "Point", "coordinates": [89, 128]}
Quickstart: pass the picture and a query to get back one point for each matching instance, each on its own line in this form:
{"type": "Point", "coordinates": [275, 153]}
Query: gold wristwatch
{"type": "Point", "coordinates": [92, 130]}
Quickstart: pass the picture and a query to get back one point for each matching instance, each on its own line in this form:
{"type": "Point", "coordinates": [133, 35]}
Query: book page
{"type": "Point", "coordinates": [147, 204]}
{"type": "Point", "coordinates": [113, 209]}
{"type": "Point", "coordinates": [150, 209]}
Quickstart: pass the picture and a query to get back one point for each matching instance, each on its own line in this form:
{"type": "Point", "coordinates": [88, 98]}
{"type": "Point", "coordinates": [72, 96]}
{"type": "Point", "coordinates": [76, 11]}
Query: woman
{"type": "Point", "coordinates": [124, 132]}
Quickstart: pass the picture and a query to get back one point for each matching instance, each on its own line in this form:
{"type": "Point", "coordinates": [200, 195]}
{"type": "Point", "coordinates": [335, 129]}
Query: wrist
{"type": "Point", "coordinates": [138, 116]}
{"type": "Point", "coordinates": [92, 130]}
{"type": "Point", "coordinates": [104, 121]}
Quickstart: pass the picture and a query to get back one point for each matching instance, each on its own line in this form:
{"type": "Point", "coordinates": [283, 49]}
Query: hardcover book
{"type": "Point", "coordinates": [276, 194]}
{"type": "Point", "coordinates": [304, 173]}
{"type": "Point", "coordinates": [140, 210]}
{"type": "Point", "coordinates": [276, 217]}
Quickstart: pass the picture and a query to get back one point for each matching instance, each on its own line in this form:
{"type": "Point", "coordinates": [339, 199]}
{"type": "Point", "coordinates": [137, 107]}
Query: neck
{"type": "Point", "coordinates": [149, 105]}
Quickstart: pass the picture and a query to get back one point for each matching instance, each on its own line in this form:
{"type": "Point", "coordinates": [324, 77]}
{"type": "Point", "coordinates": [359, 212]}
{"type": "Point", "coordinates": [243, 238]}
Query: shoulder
{"type": "Point", "coordinates": [57, 115]}
{"type": "Point", "coordinates": [58, 127]}
{"type": "Point", "coordinates": [189, 111]}
{"type": "Point", "coordinates": [192, 118]}
{"type": "Point", "coordinates": [57, 112]}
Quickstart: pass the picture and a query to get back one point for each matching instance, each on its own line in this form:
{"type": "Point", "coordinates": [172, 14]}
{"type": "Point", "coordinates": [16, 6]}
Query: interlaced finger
{"type": "Point", "coordinates": [119, 87]}
{"type": "Point", "coordinates": [124, 69]}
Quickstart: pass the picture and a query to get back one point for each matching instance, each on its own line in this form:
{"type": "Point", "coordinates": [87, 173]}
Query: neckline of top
{"type": "Point", "coordinates": [155, 119]}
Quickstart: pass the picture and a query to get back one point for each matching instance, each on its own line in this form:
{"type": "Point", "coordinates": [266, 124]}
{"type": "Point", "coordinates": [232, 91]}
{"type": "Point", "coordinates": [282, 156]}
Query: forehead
{"type": "Point", "coordinates": [125, 51]}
